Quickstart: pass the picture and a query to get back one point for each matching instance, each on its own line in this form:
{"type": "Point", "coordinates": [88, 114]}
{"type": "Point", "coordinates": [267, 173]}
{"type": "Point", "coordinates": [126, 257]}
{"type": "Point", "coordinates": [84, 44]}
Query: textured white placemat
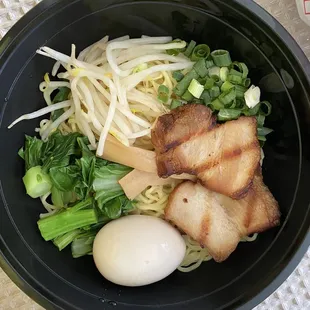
{"type": "Point", "coordinates": [294, 293]}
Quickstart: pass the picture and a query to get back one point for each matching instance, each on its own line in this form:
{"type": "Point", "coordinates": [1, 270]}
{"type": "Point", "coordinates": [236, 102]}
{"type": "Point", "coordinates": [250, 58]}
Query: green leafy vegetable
{"type": "Point", "coordinates": [37, 183]}
{"type": "Point", "coordinates": [62, 95]}
{"type": "Point", "coordinates": [33, 152]}
{"type": "Point", "coordinates": [63, 241]}
{"type": "Point", "coordinates": [65, 221]}
{"type": "Point", "coordinates": [105, 183]}
{"type": "Point", "coordinates": [65, 178]}
{"type": "Point", "coordinates": [83, 244]}
{"type": "Point", "coordinates": [57, 150]}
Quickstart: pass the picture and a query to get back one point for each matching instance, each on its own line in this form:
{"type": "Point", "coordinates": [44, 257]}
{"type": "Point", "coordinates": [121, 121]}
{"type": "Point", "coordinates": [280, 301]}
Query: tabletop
{"type": "Point", "coordinates": [294, 293]}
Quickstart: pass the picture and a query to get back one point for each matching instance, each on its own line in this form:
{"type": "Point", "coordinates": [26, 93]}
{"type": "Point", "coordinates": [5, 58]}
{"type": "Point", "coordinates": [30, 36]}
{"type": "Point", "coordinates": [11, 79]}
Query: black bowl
{"type": "Point", "coordinates": [254, 270]}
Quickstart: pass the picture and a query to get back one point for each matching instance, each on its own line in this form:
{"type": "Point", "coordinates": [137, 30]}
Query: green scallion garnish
{"type": "Point", "coordinates": [221, 58]}
{"type": "Point", "coordinates": [182, 86]}
{"type": "Point", "coordinates": [189, 49]}
{"type": "Point", "coordinates": [178, 75]}
{"type": "Point", "coordinates": [205, 97]}
{"type": "Point", "coordinates": [175, 103]}
{"type": "Point", "coordinates": [187, 96]}
{"type": "Point", "coordinates": [228, 96]}
{"type": "Point", "coordinates": [216, 105]}
{"type": "Point", "coordinates": [228, 114]}
{"type": "Point", "coordinates": [224, 73]}
{"type": "Point", "coordinates": [201, 51]}
{"type": "Point", "coordinates": [209, 83]}
{"type": "Point", "coordinates": [195, 88]}
{"type": "Point", "coordinates": [163, 94]}
{"type": "Point", "coordinates": [226, 86]}
{"type": "Point", "coordinates": [214, 92]}
{"type": "Point", "coordinates": [265, 108]}
{"type": "Point", "coordinates": [200, 68]}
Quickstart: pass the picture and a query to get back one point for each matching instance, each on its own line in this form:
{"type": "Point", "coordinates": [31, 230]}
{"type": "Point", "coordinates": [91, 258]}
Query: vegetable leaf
{"type": "Point", "coordinates": [65, 178]}
{"type": "Point", "coordinates": [105, 182]}
{"type": "Point", "coordinates": [62, 95]}
{"type": "Point", "coordinates": [33, 151]}
{"type": "Point", "coordinates": [61, 199]}
{"type": "Point", "coordinates": [83, 244]}
{"type": "Point", "coordinates": [57, 150]}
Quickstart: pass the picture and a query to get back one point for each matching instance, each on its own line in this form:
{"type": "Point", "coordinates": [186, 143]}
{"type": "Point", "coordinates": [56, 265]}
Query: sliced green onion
{"type": "Point", "coordinates": [175, 52]}
{"type": "Point", "coordinates": [221, 58]}
{"type": "Point", "coordinates": [205, 96]}
{"type": "Point", "coordinates": [175, 103]}
{"type": "Point", "coordinates": [202, 81]}
{"type": "Point", "coordinates": [240, 102]}
{"type": "Point", "coordinates": [209, 83]}
{"type": "Point", "coordinates": [224, 73]}
{"type": "Point", "coordinates": [163, 94]}
{"type": "Point", "coordinates": [216, 105]}
{"type": "Point", "coordinates": [200, 68]}
{"type": "Point", "coordinates": [214, 71]}
{"type": "Point", "coordinates": [251, 112]}
{"type": "Point", "coordinates": [240, 90]}
{"type": "Point", "coordinates": [214, 92]}
{"type": "Point", "coordinates": [189, 49]}
{"type": "Point", "coordinates": [235, 72]}
{"type": "Point", "coordinates": [264, 131]}
{"type": "Point", "coordinates": [201, 51]}
{"type": "Point", "coordinates": [209, 63]}
{"type": "Point", "coordinates": [263, 106]}
{"type": "Point", "coordinates": [215, 78]}
{"type": "Point", "coordinates": [182, 86]}
{"type": "Point", "coordinates": [260, 120]}
{"type": "Point", "coordinates": [219, 83]}
{"type": "Point", "coordinates": [234, 79]}
{"type": "Point", "coordinates": [228, 96]}
{"type": "Point", "coordinates": [233, 105]}
{"type": "Point", "coordinates": [178, 75]}
{"type": "Point", "coordinates": [252, 96]}
{"type": "Point", "coordinates": [195, 88]}
{"type": "Point", "coordinates": [243, 69]}
{"type": "Point", "coordinates": [187, 96]}
{"type": "Point", "coordinates": [246, 82]}
{"type": "Point", "coordinates": [226, 86]}
{"type": "Point", "coordinates": [228, 114]}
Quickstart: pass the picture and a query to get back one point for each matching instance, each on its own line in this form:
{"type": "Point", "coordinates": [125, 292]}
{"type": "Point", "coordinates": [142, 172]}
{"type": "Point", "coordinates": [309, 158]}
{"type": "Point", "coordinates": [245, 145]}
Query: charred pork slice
{"type": "Point", "coordinates": [224, 158]}
{"type": "Point", "coordinates": [180, 125]}
{"type": "Point", "coordinates": [218, 222]}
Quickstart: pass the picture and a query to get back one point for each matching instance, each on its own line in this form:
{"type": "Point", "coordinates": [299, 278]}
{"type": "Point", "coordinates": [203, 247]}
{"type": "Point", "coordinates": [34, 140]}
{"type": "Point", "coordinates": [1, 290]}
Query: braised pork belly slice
{"type": "Point", "coordinates": [218, 222]}
{"type": "Point", "coordinates": [223, 157]}
{"type": "Point", "coordinates": [180, 125]}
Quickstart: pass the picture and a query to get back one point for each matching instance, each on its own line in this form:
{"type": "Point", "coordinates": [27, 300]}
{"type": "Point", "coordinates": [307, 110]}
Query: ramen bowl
{"type": "Point", "coordinates": [56, 280]}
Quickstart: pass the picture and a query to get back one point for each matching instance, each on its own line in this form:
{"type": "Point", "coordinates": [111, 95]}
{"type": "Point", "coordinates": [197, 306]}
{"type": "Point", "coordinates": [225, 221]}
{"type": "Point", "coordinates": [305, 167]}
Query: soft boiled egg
{"type": "Point", "coordinates": [138, 250]}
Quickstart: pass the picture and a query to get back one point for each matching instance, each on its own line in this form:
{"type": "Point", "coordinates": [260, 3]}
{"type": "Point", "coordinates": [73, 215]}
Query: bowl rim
{"type": "Point", "coordinates": [11, 265]}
